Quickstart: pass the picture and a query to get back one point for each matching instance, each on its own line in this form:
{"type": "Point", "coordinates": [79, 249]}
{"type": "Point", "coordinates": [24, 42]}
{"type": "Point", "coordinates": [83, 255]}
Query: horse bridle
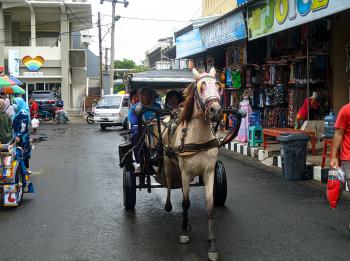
{"type": "Point", "coordinates": [204, 104]}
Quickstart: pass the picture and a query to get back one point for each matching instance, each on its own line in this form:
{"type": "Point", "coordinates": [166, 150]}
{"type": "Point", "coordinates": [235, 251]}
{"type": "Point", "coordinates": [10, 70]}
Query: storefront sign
{"type": "Point", "coordinates": [33, 74]}
{"type": "Point", "coordinates": [13, 63]}
{"type": "Point", "coordinates": [270, 16]}
{"type": "Point", "coordinates": [188, 44]}
{"type": "Point", "coordinates": [224, 31]}
{"type": "Point", "coordinates": [242, 2]}
{"type": "Point", "coordinates": [33, 64]}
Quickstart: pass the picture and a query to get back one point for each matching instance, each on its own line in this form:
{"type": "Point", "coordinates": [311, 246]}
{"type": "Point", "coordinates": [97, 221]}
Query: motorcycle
{"type": "Point", "coordinates": [14, 176]}
{"type": "Point", "coordinates": [89, 116]}
{"type": "Point", "coordinates": [61, 116]}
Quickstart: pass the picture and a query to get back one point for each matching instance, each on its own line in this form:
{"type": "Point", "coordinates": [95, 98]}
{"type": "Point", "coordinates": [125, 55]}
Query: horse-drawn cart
{"type": "Point", "coordinates": [151, 144]}
{"type": "Point", "coordinates": [175, 145]}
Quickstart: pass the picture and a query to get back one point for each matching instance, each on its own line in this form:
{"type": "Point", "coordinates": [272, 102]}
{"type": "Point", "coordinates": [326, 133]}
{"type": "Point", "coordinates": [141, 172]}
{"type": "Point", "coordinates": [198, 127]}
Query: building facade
{"type": "Point", "coordinates": [217, 7]}
{"type": "Point", "coordinates": [36, 45]}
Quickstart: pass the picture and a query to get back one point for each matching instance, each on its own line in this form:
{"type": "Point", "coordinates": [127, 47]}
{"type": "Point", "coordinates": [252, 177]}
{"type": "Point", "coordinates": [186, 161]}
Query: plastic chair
{"type": "Point", "coordinates": [255, 136]}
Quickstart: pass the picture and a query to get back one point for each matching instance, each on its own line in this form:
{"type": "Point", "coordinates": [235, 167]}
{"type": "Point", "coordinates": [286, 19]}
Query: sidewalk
{"type": "Point", "coordinates": [271, 157]}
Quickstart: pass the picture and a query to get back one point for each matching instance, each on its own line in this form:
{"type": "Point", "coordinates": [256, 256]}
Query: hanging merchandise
{"type": "Point", "coordinates": [243, 130]}
{"type": "Point", "coordinates": [347, 52]}
{"type": "Point", "coordinates": [228, 75]}
{"type": "Point", "coordinates": [236, 79]}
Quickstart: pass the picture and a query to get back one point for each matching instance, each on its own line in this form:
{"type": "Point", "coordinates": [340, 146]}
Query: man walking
{"type": "Point", "coordinates": [341, 141]}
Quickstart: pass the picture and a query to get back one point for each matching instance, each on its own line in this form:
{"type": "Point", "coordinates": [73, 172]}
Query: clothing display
{"type": "Point", "coordinates": [243, 130]}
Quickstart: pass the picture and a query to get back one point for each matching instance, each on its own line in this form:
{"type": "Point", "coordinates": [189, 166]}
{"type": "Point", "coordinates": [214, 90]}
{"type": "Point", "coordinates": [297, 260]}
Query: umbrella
{"type": "Point", "coordinates": [4, 82]}
{"type": "Point", "coordinates": [14, 79]}
{"type": "Point", "coordinates": [14, 89]}
{"type": "Point", "coordinates": [6, 78]}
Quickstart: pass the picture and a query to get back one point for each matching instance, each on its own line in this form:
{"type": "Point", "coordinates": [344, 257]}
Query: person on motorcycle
{"type": "Point", "coordinates": [5, 124]}
{"type": "Point", "coordinates": [20, 124]}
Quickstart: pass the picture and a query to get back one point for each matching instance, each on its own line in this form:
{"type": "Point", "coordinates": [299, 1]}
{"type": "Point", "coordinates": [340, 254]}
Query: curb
{"type": "Point", "coordinates": [312, 171]}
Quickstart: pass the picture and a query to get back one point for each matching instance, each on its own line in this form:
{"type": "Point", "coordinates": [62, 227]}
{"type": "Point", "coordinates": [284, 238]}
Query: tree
{"type": "Point", "coordinates": [124, 64]}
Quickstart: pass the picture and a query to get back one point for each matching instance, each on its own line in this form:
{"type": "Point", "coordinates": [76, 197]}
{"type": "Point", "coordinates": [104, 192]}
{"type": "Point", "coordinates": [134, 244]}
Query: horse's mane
{"type": "Point", "coordinates": [188, 104]}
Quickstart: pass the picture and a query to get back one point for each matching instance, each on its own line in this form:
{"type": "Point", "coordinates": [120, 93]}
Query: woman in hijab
{"type": "Point", "coordinates": [9, 108]}
{"type": "Point", "coordinates": [5, 124]}
{"type": "Point", "coordinates": [21, 125]}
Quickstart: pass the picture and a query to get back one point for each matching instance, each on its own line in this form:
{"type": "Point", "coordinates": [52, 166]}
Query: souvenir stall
{"type": "Point", "coordinates": [225, 43]}
{"type": "Point", "coordinates": [292, 84]}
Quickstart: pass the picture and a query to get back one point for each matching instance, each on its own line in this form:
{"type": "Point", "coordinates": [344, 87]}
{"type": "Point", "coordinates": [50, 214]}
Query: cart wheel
{"type": "Point", "coordinates": [220, 184]}
{"type": "Point", "coordinates": [129, 188]}
{"type": "Point", "coordinates": [19, 183]}
{"type": "Point", "coordinates": [103, 126]}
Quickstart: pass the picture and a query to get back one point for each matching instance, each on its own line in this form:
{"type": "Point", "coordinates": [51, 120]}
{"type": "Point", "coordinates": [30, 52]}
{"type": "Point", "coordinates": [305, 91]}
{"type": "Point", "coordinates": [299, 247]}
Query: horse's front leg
{"type": "Point", "coordinates": [185, 237]}
{"type": "Point", "coordinates": [168, 206]}
{"type": "Point", "coordinates": [209, 194]}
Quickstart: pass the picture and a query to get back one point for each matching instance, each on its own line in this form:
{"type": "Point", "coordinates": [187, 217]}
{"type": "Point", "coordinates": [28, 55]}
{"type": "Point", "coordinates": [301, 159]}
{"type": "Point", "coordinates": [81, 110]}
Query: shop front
{"type": "Point", "coordinates": [37, 70]}
{"type": "Point", "coordinates": [300, 52]}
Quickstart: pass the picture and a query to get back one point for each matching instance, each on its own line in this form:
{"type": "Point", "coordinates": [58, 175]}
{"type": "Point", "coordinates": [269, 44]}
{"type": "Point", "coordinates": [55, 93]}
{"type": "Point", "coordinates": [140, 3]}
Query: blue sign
{"type": "Point", "coordinates": [188, 44]}
{"type": "Point", "coordinates": [224, 31]}
{"type": "Point", "coordinates": [241, 2]}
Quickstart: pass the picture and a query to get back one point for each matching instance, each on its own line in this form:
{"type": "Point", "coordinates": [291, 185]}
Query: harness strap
{"type": "Point", "coordinates": [192, 147]}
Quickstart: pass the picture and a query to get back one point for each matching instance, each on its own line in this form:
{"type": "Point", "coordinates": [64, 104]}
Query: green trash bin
{"type": "Point", "coordinates": [293, 154]}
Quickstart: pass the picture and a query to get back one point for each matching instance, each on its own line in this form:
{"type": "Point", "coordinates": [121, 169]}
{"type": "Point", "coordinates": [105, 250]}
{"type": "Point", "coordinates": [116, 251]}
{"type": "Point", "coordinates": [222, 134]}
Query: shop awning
{"type": "Point", "coordinates": [264, 19]}
{"type": "Point", "coordinates": [162, 79]}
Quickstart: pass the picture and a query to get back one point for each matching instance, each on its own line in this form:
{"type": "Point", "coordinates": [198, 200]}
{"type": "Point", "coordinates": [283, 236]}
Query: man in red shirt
{"type": "Point", "coordinates": [341, 141]}
{"type": "Point", "coordinates": [34, 108]}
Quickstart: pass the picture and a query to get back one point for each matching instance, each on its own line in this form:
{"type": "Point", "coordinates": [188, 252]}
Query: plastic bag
{"type": "Point", "coordinates": [35, 123]}
{"type": "Point", "coordinates": [335, 186]}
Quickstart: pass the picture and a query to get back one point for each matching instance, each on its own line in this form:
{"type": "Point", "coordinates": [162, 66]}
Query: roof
{"type": "Point", "coordinates": [196, 23]}
{"type": "Point", "coordinates": [162, 79]}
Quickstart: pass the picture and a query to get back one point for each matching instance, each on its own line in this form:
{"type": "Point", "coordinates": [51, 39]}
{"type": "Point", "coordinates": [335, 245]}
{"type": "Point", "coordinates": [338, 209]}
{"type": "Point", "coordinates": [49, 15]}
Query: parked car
{"type": "Point", "coordinates": [46, 100]}
{"type": "Point", "coordinates": [112, 110]}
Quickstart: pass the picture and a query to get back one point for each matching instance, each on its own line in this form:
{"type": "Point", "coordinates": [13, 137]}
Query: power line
{"type": "Point", "coordinates": [58, 37]}
{"type": "Point", "coordinates": [151, 19]}
{"type": "Point", "coordinates": [75, 14]}
{"type": "Point", "coordinates": [52, 22]}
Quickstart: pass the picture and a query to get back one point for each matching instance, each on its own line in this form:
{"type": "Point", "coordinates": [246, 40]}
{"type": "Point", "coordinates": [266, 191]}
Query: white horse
{"type": "Point", "coordinates": [196, 148]}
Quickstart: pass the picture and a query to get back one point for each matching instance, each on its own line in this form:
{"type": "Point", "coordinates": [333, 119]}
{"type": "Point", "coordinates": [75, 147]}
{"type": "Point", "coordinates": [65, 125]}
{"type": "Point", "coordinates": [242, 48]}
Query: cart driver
{"type": "Point", "coordinates": [147, 98]}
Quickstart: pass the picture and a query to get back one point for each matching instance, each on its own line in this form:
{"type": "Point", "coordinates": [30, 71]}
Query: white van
{"type": "Point", "coordinates": [112, 110]}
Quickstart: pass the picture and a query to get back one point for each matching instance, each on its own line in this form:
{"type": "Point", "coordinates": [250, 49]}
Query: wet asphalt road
{"type": "Point", "coordinates": [77, 212]}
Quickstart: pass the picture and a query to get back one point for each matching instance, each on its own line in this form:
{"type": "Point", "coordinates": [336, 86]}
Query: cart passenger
{"type": "Point", "coordinates": [147, 98]}
{"type": "Point", "coordinates": [173, 100]}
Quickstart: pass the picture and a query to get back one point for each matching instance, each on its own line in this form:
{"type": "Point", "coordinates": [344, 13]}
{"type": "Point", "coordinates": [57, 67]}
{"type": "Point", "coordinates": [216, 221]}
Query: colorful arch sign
{"type": "Point", "coordinates": [271, 16]}
{"type": "Point", "coordinates": [33, 64]}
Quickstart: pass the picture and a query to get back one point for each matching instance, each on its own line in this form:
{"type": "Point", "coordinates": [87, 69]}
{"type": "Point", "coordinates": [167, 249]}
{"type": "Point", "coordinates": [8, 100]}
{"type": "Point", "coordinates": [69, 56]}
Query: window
{"type": "Point", "coordinates": [40, 86]}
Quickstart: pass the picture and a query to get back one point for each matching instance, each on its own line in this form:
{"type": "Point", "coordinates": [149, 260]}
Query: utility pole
{"type": "Point", "coordinates": [111, 69]}
{"type": "Point", "coordinates": [106, 60]}
{"type": "Point", "coordinates": [100, 52]}
{"type": "Point", "coordinates": [114, 19]}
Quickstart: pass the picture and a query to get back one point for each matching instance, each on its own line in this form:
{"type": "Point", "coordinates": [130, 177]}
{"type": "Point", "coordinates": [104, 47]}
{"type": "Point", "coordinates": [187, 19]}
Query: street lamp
{"type": "Point", "coordinates": [114, 19]}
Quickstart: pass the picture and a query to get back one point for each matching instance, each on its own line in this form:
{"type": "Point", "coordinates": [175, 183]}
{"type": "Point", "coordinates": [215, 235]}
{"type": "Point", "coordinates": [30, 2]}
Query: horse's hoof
{"type": "Point", "coordinates": [184, 239]}
{"type": "Point", "coordinates": [168, 207]}
{"type": "Point", "coordinates": [213, 256]}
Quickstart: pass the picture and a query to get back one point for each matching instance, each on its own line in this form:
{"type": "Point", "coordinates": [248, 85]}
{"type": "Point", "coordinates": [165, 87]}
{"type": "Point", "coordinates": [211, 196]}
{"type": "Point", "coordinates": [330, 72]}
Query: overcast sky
{"type": "Point", "coordinates": [135, 37]}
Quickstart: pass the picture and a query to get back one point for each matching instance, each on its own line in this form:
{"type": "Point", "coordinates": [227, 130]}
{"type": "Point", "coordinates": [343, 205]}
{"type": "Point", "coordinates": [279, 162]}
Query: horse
{"type": "Point", "coordinates": [196, 149]}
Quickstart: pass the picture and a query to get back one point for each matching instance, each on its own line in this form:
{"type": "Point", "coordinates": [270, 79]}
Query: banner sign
{"type": "Point", "coordinates": [13, 63]}
{"type": "Point", "coordinates": [242, 2]}
{"type": "Point", "coordinates": [188, 44]}
{"type": "Point", "coordinates": [33, 74]}
{"type": "Point", "coordinates": [271, 16]}
{"type": "Point", "coordinates": [224, 31]}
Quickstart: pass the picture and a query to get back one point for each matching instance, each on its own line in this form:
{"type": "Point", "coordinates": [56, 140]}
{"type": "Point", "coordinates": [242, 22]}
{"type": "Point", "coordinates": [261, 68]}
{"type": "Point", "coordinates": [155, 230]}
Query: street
{"type": "Point", "coordinates": [77, 211]}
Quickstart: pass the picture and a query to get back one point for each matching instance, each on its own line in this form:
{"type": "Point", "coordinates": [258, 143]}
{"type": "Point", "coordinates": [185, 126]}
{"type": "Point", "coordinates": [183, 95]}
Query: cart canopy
{"type": "Point", "coordinates": [162, 79]}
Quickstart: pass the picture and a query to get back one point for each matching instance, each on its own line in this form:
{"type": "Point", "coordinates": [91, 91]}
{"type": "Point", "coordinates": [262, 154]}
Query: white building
{"type": "Point", "coordinates": [35, 45]}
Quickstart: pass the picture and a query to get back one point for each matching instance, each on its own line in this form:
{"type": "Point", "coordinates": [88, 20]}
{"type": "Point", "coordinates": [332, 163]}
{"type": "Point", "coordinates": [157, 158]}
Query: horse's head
{"type": "Point", "coordinates": [207, 94]}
